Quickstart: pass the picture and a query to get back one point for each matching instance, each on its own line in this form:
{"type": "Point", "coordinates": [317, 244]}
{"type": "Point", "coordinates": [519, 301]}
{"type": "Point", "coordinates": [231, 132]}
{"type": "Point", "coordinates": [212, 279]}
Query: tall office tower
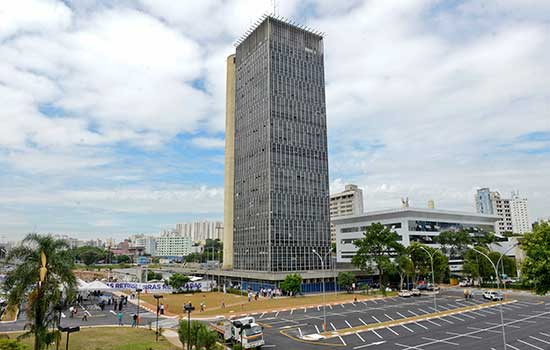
{"type": "Point", "coordinates": [489, 202]}
{"type": "Point", "coordinates": [520, 216]}
{"type": "Point", "coordinates": [345, 203]}
{"type": "Point", "coordinates": [229, 179]}
{"type": "Point", "coordinates": [281, 195]}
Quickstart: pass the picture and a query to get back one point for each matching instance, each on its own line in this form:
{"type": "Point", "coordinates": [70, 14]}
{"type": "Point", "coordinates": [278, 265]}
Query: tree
{"type": "Point", "coordinates": [375, 248]}
{"type": "Point", "coordinates": [40, 256]}
{"type": "Point", "coordinates": [292, 283]}
{"type": "Point", "coordinates": [536, 266]}
{"type": "Point", "coordinates": [346, 280]}
{"type": "Point", "coordinates": [152, 275]}
{"type": "Point", "coordinates": [177, 281]}
{"type": "Point", "coordinates": [89, 255]}
{"type": "Point", "coordinates": [198, 335]}
{"type": "Point", "coordinates": [405, 267]}
{"type": "Point", "coordinates": [454, 243]}
{"type": "Point", "coordinates": [122, 258]}
{"type": "Point", "coordinates": [422, 263]}
{"type": "Point", "coordinates": [477, 266]}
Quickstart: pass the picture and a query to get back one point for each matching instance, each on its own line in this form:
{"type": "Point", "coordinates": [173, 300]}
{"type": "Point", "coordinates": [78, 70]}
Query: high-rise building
{"type": "Point", "coordinates": [281, 192]}
{"type": "Point", "coordinates": [489, 202]}
{"type": "Point", "coordinates": [200, 231]}
{"type": "Point", "coordinates": [347, 202]}
{"type": "Point", "coordinates": [520, 215]}
{"type": "Point", "coordinates": [173, 244]}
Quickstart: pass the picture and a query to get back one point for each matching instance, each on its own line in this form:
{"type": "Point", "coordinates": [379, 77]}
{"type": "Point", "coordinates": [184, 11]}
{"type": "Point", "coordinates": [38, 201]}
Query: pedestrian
{"type": "Point", "coordinates": [134, 320]}
{"type": "Point", "coordinates": [202, 306]}
{"type": "Point", "coordinates": [161, 308]}
{"type": "Point", "coordinates": [466, 293]}
{"type": "Point", "coordinates": [355, 299]}
{"type": "Point", "coordinates": [71, 311]}
{"type": "Point", "coordinates": [119, 317]}
{"type": "Point", "coordinates": [223, 303]}
{"type": "Point", "coordinates": [85, 317]}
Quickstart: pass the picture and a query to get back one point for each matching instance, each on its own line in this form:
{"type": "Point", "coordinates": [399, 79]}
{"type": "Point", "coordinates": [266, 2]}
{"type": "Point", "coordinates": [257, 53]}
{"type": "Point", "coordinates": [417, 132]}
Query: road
{"type": "Point", "coordinates": [527, 320]}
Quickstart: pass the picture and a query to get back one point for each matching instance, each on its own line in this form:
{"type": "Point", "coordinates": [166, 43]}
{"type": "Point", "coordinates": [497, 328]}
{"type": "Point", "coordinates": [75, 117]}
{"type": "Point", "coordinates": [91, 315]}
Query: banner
{"type": "Point", "coordinates": [161, 287]}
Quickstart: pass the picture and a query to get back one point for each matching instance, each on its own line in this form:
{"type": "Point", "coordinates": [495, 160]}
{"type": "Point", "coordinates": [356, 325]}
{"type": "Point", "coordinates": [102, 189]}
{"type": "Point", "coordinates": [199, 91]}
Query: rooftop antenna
{"type": "Point", "coordinates": [275, 5]}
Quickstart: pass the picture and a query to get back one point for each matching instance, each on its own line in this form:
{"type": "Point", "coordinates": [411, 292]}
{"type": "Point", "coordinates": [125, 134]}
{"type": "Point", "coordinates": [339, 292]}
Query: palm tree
{"type": "Point", "coordinates": [43, 270]}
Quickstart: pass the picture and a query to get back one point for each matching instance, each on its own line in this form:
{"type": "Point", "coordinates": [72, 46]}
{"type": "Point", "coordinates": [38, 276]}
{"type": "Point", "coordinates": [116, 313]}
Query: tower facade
{"type": "Point", "coordinates": [281, 188]}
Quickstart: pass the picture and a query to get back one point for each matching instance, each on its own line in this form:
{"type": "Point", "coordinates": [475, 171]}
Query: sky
{"type": "Point", "coordinates": [112, 112]}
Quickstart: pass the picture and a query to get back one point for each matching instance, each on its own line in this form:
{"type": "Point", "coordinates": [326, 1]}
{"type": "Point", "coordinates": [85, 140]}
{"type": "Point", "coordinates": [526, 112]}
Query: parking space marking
{"type": "Point", "coordinates": [484, 330]}
{"type": "Point", "coordinates": [262, 315]}
{"type": "Point", "coordinates": [332, 326]}
{"type": "Point", "coordinates": [391, 330]}
{"type": "Point", "coordinates": [408, 346]}
{"type": "Point", "coordinates": [418, 324]}
{"type": "Point", "coordinates": [465, 335]}
{"type": "Point", "coordinates": [432, 322]}
{"type": "Point", "coordinates": [291, 311]}
{"type": "Point", "coordinates": [318, 308]}
{"type": "Point", "coordinates": [342, 340]}
{"type": "Point", "coordinates": [545, 334]}
{"type": "Point", "coordinates": [277, 314]}
{"type": "Point", "coordinates": [360, 337]}
{"type": "Point", "coordinates": [456, 317]}
{"type": "Point", "coordinates": [444, 307]}
{"type": "Point", "coordinates": [487, 311]}
{"type": "Point", "coordinates": [305, 309]}
{"type": "Point", "coordinates": [529, 344]}
{"type": "Point", "coordinates": [424, 311]}
{"type": "Point", "coordinates": [374, 301]}
{"type": "Point", "coordinates": [348, 324]}
{"type": "Point", "coordinates": [363, 322]}
{"type": "Point", "coordinates": [391, 319]}
{"type": "Point", "coordinates": [413, 313]}
{"type": "Point", "coordinates": [540, 340]}
{"type": "Point", "coordinates": [513, 347]}
{"type": "Point", "coordinates": [342, 305]}
{"type": "Point", "coordinates": [466, 315]}
{"type": "Point", "coordinates": [330, 306]}
{"type": "Point", "coordinates": [370, 344]}
{"type": "Point", "coordinates": [401, 315]}
{"type": "Point", "coordinates": [317, 329]}
{"type": "Point", "coordinates": [441, 341]}
{"type": "Point", "coordinates": [443, 319]}
{"type": "Point", "coordinates": [378, 335]}
{"type": "Point", "coordinates": [300, 331]}
{"type": "Point", "coordinates": [407, 328]}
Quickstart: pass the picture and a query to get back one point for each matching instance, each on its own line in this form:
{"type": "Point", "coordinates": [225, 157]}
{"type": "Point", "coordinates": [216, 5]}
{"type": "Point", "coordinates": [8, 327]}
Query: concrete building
{"type": "Point", "coordinates": [143, 244]}
{"type": "Point", "coordinates": [347, 202]}
{"type": "Point", "coordinates": [281, 189]}
{"type": "Point", "coordinates": [173, 245]}
{"type": "Point", "coordinates": [200, 231]}
{"type": "Point", "coordinates": [412, 225]}
{"type": "Point", "coordinates": [229, 171]}
{"type": "Point", "coordinates": [520, 214]}
{"type": "Point", "coordinates": [491, 203]}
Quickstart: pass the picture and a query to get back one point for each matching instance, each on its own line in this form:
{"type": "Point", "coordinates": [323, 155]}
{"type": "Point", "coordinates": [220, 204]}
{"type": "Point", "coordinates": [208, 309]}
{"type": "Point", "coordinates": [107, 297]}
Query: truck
{"type": "Point", "coordinates": [244, 331]}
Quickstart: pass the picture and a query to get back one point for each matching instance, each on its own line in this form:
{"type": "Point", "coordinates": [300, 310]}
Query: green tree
{"type": "Point", "coordinates": [189, 333]}
{"type": "Point", "coordinates": [477, 266]}
{"type": "Point", "coordinates": [152, 275]}
{"type": "Point", "coordinates": [177, 281]}
{"type": "Point", "coordinates": [536, 266]}
{"type": "Point", "coordinates": [23, 282]}
{"type": "Point", "coordinates": [122, 258]}
{"type": "Point", "coordinates": [346, 280]}
{"type": "Point", "coordinates": [292, 283]}
{"type": "Point", "coordinates": [375, 248]}
{"type": "Point", "coordinates": [405, 268]}
{"type": "Point", "coordinates": [454, 243]}
{"type": "Point", "coordinates": [89, 255]}
{"type": "Point", "coordinates": [422, 264]}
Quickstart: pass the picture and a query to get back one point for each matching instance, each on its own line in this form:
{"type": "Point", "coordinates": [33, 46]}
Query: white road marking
{"type": "Point", "coordinates": [377, 320]}
{"type": "Point", "coordinates": [484, 330]}
{"type": "Point", "coordinates": [444, 307]}
{"type": "Point", "coordinates": [418, 324]}
{"type": "Point", "coordinates": [364, 303]}
{"type": "Point", "coordinates": [391, 330]}
{"type": "Point", "coordinates": [408, 346]}
{"type": "Point", "coordinates": [342, 305]}
{"type": "Point", "coordinates": [371, 344]}
{"type": "Point", "coordinates": [300, 331]}
{"type": "Point", "coordinates": [529, 344]}
{"type": "Point", "coordinates": [332, 326]}
{"type": "Point", "coordinates": [495, 324]}
{"type": "Point", "coordinates": [363, 322]}
{"type": "Point", "coordinates": [469, 316]}
{"type": "Point", "coordinates": [442, 319]}
{"type": "Point", "coordinates": [401, 315]}
{"type": "Point", "coordinates": [432, 322]}
{"type": "Point", "coordinates": [374, 301]}
{"type": "Point", "coordinates": [391, 319]}
{"type": "Point", "coordinates": [456, 317]}
{"type": "Point", "coordinates": [342, 340]}
{"type": "Point", "coordinates": [378, 335]}
{"type": "Point", "coordinates": [262, 315]}
{"type": "Point", "coordinates": [442, 341]}
{"type": "Point", "coordinates": [487, 311]}
{"type": "Point", "coordinates": [360, 337]}
{"type": "Point", "coordinates": [348, 324]}
{"type": "Point", "coordinates": [407, 328]}
{"type": "Point", "coordinates": [513, 347]}
{"type": "Point", "coordinates": [538, 339]}
{"type": "Point", "coordinates": [414, 313]}
{"type": "Point", "coordinates": [330, 306]}
{"type": "Point", "coordinates": [277, 314]}
{"type": "Point", "coordinates": [305, 309]}
{"type": "Point", "coordinates": [464, 335]}
{"type": "Point", "coordinates": [545, 334]}
{"type": "Point", "coordinates": [424, 311]}
{"type": "Point", "coordinates": [317, 329]}
{"type": "Point", "coordinates": [318, 308]}
{"type": "Point", "coordinates": [291, 311]}
{"type": "Point", "coordinates": [268, 346]}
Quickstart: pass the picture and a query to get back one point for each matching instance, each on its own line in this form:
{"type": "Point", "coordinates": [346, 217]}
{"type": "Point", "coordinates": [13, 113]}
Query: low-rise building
{"type": "Point", "coordinates": [412, 225]}
{"type": "Point", "coordinates": [173, 245]}
{"type": "Point", "coordinates": [345, 203]}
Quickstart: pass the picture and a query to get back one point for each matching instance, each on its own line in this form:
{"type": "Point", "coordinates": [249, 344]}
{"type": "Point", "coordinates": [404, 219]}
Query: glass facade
{"type": "Point", "coordinates": [281, 201]}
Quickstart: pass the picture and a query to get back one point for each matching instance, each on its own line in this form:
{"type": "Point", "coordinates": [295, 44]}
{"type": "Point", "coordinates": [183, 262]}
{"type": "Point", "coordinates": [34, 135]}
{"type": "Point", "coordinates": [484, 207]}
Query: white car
{"type": "Point", "coordinates": [404, 293]}
{"type": "Point", "coordinates": [490, 295]}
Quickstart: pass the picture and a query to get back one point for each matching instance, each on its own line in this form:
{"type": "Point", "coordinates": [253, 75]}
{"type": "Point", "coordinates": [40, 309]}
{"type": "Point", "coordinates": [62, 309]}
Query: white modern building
{"type": "Point", "coordinates": [412, 225]}
{"type": "Point", "coordinates": [520, 215]}
{"type": "Point", "coordinates": [490, 202]}
{"type": "Point", "coordinates": [345, 203]}
{"type": "Point", "coordinates": [173, 244]}
{"type": "Point", "coordinates": [200, 231]}
{"type": "Point", "coordinates": [146, 244]}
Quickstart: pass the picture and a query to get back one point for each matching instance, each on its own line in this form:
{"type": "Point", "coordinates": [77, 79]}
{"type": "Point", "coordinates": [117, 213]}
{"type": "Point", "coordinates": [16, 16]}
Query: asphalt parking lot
{"type": "Point", "coordinates": [527, 322]}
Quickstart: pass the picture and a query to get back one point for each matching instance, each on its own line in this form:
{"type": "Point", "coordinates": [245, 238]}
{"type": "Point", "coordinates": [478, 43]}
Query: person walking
{"type": "Point", "coordinates": [119, 317]}
{"type": "Point", "coordinates": [161, 308]}
{"type": "Point", "coordinates": [134, 320]}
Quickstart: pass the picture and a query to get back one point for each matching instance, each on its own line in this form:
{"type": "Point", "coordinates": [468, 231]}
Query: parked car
{"type": "Point", "coordinates": [404, 293]}
{"type": "Point", "coordinates": [464, 284]}
{"type": "Point", "coordinates": [422, 287]}
{"type": "Point", "coordinates": [432, 288]}
{"type": "Point", "coordinates": [493, 296]}
{"type": "Point", "coordinates": [415, 292]}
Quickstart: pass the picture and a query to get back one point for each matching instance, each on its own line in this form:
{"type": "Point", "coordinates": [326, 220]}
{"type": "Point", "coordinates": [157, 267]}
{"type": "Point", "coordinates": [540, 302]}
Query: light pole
{"type": "Point", "coordinates": [499, 261]}
{"type": "Point", "coordinates": [158, 297]}
{"type": "Point", "coordinates": [324, 300]}
{"type": "Point", "coordinates": [433, 275]}
{"type": "Point", "coordinates": [138, 291]}
{"type": "Point", "coordinates": [498, 286]}
{"type": "Point", "coordinates": [246, 252]}
{"type": "Point", "coordinates": [188, 308]}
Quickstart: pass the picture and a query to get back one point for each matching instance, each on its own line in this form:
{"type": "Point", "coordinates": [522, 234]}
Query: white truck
{"type": "Point", "coordinates": [244, 331]}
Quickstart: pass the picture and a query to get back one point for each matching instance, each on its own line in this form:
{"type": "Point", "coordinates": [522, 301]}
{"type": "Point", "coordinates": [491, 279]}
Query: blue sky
{"type": "Point", "coordinates": [113, 111]}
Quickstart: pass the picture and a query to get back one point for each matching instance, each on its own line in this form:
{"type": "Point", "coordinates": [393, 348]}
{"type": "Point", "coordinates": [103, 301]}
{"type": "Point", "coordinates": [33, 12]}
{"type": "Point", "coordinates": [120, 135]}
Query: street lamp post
{"type": "Point", "coordinates": [498, 287]}
{"type": "Point", "coordinates": [246, 252]}
{"type": "Point", "coordinates": [158, 297]}
{"type": "Point", "coordinates": [433, 275]}
{"type": "Point", "coordinates": [324, 300]}
{"type": "Point", "coordinates": [138, 291]}
{"type": "Point", "coordinates": [188, 308]}
{"type": "Point", "coordinates": [502, 265]}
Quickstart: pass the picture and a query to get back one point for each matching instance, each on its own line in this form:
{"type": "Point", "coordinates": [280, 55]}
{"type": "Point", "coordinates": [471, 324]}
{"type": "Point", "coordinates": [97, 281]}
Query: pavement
{"type": "Point", "coordinates": [413, 323]}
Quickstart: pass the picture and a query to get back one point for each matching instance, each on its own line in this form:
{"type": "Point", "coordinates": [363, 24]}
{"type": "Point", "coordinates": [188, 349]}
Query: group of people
{"type": "Point", "coordinates": [264, 292]}
{"type": "Point", "coordinates": [468, 294]}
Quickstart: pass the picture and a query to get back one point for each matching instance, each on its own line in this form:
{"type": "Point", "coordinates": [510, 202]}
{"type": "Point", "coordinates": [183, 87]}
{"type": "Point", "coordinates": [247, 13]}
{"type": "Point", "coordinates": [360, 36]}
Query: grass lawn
{"type": "Point", "coordinates": [111, 338]}
{"type": "Point", "coordinates": [239, 304]}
